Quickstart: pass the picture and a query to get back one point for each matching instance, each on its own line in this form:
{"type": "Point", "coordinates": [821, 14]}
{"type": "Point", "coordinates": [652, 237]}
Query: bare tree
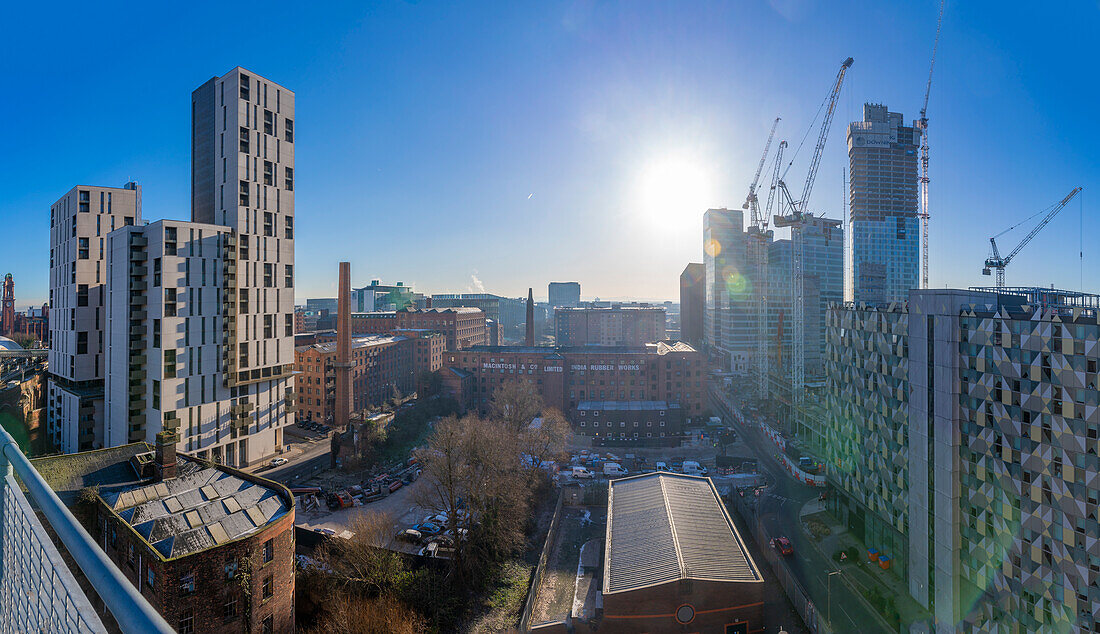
{"type": "Point", "coordinates": [515, 404]}
{"type": "Point", "coordinates": [542, 441]}
{"type": "Point", "coordinates": [362, 564]}
{"type": "Point", "coordinates": [352, 614]}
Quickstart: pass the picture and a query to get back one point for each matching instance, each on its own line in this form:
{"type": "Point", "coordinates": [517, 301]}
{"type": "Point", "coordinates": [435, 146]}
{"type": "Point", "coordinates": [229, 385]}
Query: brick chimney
{"type": "Point", "coordinates": [342, 366]}
{"type": "Point", "coordinates": [165, 466]}
{"type": "Point", "coordinates": [530, 339]}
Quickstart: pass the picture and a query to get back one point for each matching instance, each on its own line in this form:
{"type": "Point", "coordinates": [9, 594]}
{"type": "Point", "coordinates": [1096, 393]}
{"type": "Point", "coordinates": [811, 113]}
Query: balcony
{"type": "Point", "coordinates": [38, 591]}
{"type": "Point", "coordinates": [137, 375]}
{"type": "Point", "coordinates": [138, 241]}
{"type": "Point", "coordinates": [138, 271]}
{"type": "Point", "coordinates": [138, 256]}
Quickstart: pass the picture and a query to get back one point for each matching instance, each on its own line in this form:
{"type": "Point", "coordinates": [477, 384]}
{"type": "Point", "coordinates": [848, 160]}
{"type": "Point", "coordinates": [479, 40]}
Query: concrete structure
{"type": "Point", "coordinates": [211, 548]}
{"type": "Point", "coordinates": [378, 366]}
{"type": "Point", "coordinates": [616, 326]}
{"type": "Point", "coordinates": [79, 224]}
{"type": "Point", "coordinates": [669, 371]}
{"type": "Point", "coordinates": [975, 458]}
{"type": "Point", "coordinates": [564, 294]}
{"type": "Point", "coordinates": [729, 334]}
{"type": "Point", "coordinates": [630, 423]}
{"type": "Point", "coordinates": [674, 561]}
{"type": "Point", "coordinates": [693, 298]}
{"type": "Point", "coordinates": [884, 262]}
{"type": "Point", "coordinates": [461, 327]}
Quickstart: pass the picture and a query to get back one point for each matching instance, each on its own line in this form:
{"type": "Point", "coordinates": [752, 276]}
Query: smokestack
{"type": "Point", "coordinates": [530, 317]}
{"type": "Point", "coordinates": [342, 366]}
{"type": "Point", "coordinates": [165, 466]}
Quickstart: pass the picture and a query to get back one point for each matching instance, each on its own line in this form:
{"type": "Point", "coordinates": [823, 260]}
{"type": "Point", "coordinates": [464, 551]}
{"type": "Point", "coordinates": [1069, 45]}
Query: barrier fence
{"type": "Point", "coordinates": [536, 579]}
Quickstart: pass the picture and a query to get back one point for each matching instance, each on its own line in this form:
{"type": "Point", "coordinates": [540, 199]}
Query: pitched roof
{"type": "Point", "coordinates": [664, 527]}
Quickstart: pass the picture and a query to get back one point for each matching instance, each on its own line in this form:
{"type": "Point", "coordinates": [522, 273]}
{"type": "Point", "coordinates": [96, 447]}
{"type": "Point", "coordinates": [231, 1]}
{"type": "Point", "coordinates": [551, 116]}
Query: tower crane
{"type": "Point", "coordinates": [995, 261]}
{"type": "Point", "coordinates": [796, 219]}
{"type": "Point", "coordinates": [758, 246]}
{"type": "Point", "coordinates": [922, 125]}
{"type": "Point", "coordinates": [751, 201]}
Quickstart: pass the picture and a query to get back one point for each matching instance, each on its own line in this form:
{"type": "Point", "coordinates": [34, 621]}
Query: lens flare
{"type": "Point", "coordinates": [712, 247]}
{"type": "Point", "coordinates": [735, 282]}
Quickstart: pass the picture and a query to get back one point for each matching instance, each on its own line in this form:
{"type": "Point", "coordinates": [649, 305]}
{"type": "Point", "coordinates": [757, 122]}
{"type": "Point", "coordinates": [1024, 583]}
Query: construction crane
{"type": "Point", "coordinates": [796, 219]}
{"type": "Point", "coordinates": [758, 252]}
{"type": "Point", "coordinates": [922, 125]}
{"type": "Point", "coordinates": [751, 202]}
{"type": "Point", "coordinates": [995, 261]}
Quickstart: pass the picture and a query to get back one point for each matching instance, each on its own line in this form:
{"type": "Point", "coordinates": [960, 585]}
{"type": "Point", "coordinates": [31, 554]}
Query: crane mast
{"type": "Point", "coordinates": [995, 261]}
{"type": "Point", "coordinates": [758, 232]}
{"type": "Point", "coordinates": [751, 200]}
{"type": "Point", "coordinates": [796, 220]}
{"type": "Point", "coordinates": [922, 125]}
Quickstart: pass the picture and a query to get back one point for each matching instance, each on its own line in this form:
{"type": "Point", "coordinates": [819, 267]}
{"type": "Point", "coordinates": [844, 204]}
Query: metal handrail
{"type": "Point", "coordinates": [131, 611]}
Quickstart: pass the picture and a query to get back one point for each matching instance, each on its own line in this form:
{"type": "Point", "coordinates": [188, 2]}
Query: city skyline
{"type": "Point", "coordinates": [642, 107]}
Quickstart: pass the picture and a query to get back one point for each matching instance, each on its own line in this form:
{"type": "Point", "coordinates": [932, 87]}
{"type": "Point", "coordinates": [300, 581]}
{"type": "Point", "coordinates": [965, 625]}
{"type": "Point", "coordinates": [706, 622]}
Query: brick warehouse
{"type": "Point", "coordinates": [565, 377]}
{"type": "Point", "coordinates": [210, 547]}
{"type": "Point", "coordinates": [462, 327]}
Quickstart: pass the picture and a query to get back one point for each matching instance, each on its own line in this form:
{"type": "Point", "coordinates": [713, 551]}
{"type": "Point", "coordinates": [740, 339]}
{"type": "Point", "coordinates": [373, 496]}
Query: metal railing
{"type": "Point", "coordinates": [38, 592]}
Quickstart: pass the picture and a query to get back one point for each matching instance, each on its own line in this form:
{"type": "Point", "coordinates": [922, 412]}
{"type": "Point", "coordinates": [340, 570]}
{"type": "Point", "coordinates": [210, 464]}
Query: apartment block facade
{"type": "Point", "coordinates": [79, 224]}
{"type": "Point", "coordinates": [461, 327]}
{"type": "Point", "coordinates": [884, 258]}
{"type": "Point", "coordinates": [991, 430]}
{"type": "Point", "coordinates": [729, 318]}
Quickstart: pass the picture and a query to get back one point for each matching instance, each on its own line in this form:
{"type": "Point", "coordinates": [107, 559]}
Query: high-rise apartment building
{"type": "Point", "coordinates": [79, 223]}
{"type": "Point", "coordinates": [564, 294]}
{"type": "Point", "coordinates": [615, 326]}
{"type": "Point", "coordinates": [692, 302]}
{"type": "Point", "coordinates": [729, 318]}
{"type": "Point", "coordinates": [963, 442]}
{"type": "Point", "coordinates": [884, 261]}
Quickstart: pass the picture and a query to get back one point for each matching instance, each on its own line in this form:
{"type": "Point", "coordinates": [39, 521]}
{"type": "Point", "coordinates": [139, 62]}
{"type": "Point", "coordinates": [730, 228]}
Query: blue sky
{"type": "Point", "coordinates": [453, 145]}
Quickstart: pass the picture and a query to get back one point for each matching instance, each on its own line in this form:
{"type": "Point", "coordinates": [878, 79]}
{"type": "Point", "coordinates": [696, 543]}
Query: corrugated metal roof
{"type": "Point", "coordinates": [664, 527]}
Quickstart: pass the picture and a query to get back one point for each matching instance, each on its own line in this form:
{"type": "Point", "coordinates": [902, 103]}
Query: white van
{"type": "Point", "coordinates": [613, 469]}
{"type": "Point", "coordinates": [692, 467]}
{"type": "Point", "coordinates": [581, 473]}
{"type": "Point", "coordinates": [660, 466]}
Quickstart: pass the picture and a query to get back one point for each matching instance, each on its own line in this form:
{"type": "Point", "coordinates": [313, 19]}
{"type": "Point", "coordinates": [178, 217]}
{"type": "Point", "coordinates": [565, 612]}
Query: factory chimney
{"type": "Point", "coordinates": [342, 366]}
{"type": "Point", "coordinates": [530, 317]}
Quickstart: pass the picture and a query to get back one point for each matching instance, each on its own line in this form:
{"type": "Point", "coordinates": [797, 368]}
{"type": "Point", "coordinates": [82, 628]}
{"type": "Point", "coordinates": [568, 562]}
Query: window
{"type": "Point", "coordinates": [187, 622]}
{"type": "Point", "coordinates": [245, 85]}
{"type": "Point", "coordinates": [269, 275]}
{"type": "Point", "coordinates": [269, 333]}
{"type": "Point", "coordinates": [269, 551]}
{"type": "Point", "coordinates": [169, 364]}
{"type": "Point", "coordinates": [289, 179]}
{"type": "Point", "coordinates": [230, 569]}
{"type": "Point", "coordinates": [150, 577]}
{"type": "Point", "coordinates": [244, 193]}
{"type": "Point", "coordinates": [82, 342]}
{"type": "Point", "coordinates": [288, 130]}
{"type": "Point", "coordinates": [229, 610]}
{"type": "Point", "coordinates": [82, 295]}
{"type": "Point", "coordinates": [156, 333]}
{"type": "Point", "coordinates": [243, 137]}
{"type": "Point", "coordinates": [268, 625]}
{"type": "Point", "coordinates": [269, 122]}
{"type": "Point", "coordinates": [289, 326]}
{"type": "Point", "coordinates": [130, 555]}
{"type": "Point", "coordinates": [290, 276]}
{"type": "Point", "coordinates": [269, 224]}
{"type": "Point", "coordinates": [268, 588]}
{"type": "Point", "coordinates": [169, 302]}
{"type": "Point", "coordinates": [187, 584]}
{"type": "Point", "coordinates": [269, 173]}
{"type": "Point", "coordinates": [289, 228]}
{"type": "Point", "coordinates": [82, 247]}
{"type": "Point", "coordinates": [169, 241]}
{"type": "Point", "coordinates": [156, 271]}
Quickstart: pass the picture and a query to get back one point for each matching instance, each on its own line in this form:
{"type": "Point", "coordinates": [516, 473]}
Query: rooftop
{"type": "Point", "coordinates": [203, 506]}
{"type": "Point", "coordinates": [664, 527]}
{"type": "Point", "coordinates": [357, 342]}
{"type": "Point", "coordinates": [661, 347]}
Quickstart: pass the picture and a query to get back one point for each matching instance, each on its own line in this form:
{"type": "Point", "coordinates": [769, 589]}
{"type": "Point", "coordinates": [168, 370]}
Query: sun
{"type": "Point", "coordinates": [673, 188]}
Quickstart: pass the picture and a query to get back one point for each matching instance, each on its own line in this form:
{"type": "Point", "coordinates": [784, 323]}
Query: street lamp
{"type": "Point", "coordinates": [830, 596]}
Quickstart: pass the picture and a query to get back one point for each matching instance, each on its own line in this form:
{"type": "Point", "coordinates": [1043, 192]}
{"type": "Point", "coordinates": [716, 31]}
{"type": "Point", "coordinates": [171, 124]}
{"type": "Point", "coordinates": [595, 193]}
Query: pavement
{"type": "Point", "coordinates": [780, 511]}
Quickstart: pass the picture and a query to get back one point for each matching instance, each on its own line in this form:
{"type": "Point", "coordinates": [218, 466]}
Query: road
{"type": "Point", "coordinates": [313, 458]}
{"type": "Point", "coordinates": [779, 510]}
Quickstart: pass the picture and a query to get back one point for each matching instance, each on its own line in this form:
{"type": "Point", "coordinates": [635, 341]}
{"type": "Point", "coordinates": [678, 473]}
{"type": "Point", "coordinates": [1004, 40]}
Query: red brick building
{"type": "Point", "coordinates": [673, 372]}
{"type": "Point", "coordinates": [381, 366]}
{"type": "Point", "coordinates": [461, 327]}
{"type": "Point", "coordinates": [210, 547]}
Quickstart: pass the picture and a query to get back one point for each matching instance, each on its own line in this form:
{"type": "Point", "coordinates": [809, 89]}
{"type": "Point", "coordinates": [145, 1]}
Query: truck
{"type": "Point", "coordinates": [613, 469]}
{"type": "Point", "coordinates": [581, 473]}
{"type": "Point", "coordinates": [692, 467]}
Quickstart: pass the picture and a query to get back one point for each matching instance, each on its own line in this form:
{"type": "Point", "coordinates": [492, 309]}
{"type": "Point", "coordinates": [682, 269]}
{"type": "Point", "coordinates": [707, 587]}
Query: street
{"type": "Point", "coordinates": [779, 511]}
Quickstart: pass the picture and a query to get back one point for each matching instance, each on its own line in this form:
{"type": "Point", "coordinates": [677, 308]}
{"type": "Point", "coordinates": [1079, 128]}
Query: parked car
{"type": "Point", "coordinates": [278, 462]}
{"type": "Point", "coordinates": [325, 531]}
{"type": "Point", "coordinates": [410, 535]}
{"type": "Point", "coordinates": [436, 550]}
{"type": "Point", "coordinates": [783, 546]}
{"type": "Point", "coordinates": [581, 473]}
{"type": "Point", "coordinates": [427, 528]}
{"type": "Point", "coordinates": [660, 466]}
